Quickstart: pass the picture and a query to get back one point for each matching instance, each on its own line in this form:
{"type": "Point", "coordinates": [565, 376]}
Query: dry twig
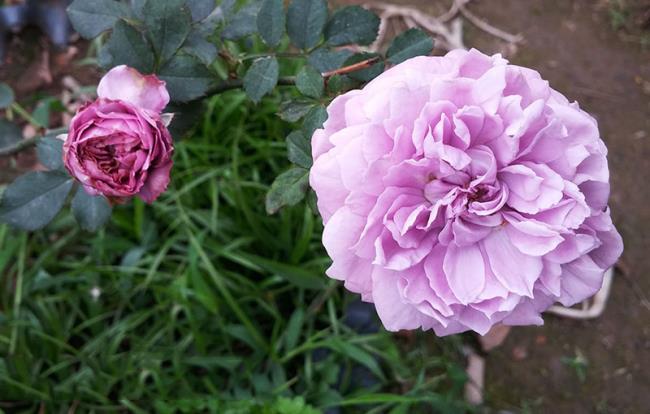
{"type": "Point", "coordinates": [447, 28]}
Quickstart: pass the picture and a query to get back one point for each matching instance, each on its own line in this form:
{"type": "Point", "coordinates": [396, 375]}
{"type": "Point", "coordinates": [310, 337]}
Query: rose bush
{"type": "Point", "coordinates": [461, 191]}
{"type": "Point", "coordinates": [119, 146]}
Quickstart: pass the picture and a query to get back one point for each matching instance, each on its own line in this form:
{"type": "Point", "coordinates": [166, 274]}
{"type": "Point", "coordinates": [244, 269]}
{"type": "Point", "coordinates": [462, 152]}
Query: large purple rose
{"type": "Point", "coordinates": [118, 145]}
{"type": "Point", "coordinates": [459, 192]}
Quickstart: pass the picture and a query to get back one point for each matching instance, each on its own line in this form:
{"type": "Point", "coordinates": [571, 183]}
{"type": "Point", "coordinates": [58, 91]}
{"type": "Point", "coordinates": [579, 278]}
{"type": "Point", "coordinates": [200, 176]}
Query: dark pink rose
{"type": "Point", "coordinates": [119, 146]}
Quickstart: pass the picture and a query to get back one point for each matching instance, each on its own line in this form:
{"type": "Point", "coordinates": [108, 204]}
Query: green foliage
{"type": "Point", "coordinates": [241, 23]}
{"type": "Point", "coordinates": [50, 152]}
{"type": "Point", "coordinates": [186, 78]}
{"type": "Point", "coordinates": [168, 23]}
{"type": "Point", "coordinates": [299, 149]}
{"type": "Point", "coordinates": [33, 200]}
{"type": "Point", "coordinates": [578, 363]}
{"type": "Point", "coordinates": [90, 18]}
{"type": "Point", "coordinates": [170, 38]}
{"type": "Point", "coordinates": [6, 95]}
{"type": "Point", "coordinates": [310, 82]}
{"type": "Point", "coordinates": [305, 22]}
{"type": "Point", "coordinates": [128, 46]}
{"type": "Point", "coordinates": [325, 59]}
{"type": "Point", "coordinates": [367, 74]}
{"type": "Point", "coordinates": [271, 22]}
{"type": "Point", "coordinates": [261, 78]}
{"type": "Point", "coordinates": [9, 133]}
{"type": "Point", "coordinates": [619, 14]}
{"type": "Point", "coordinates": [198, 47]}
{"type": "Point", "coordinates": [91, 212]}
{"type": "Point", "coordinates": [314, 120]}
{"type": "Point", "coordinates": [200, 9]}
{"type": "Point", "coordinates": [411, 43]}
{"type": "Point", "coordinates": [288, 189]}
{"type": "Point", "coordinates": [43, 109]}
{"type": "Point", "coordinates": [352, 24]}
{"type": "Point", "coordinates": [294, 110]}
{"type": "Point", "coordinates": [201, 302]}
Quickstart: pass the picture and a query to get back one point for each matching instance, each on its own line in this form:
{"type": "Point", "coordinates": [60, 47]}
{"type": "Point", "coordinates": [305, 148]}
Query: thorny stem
{"type": "Point", "coordinates": [290, 81]}
{"type": "Point", "coordinates": [295, 55]}
{"type": "Point", "coordinates": [352, 68]}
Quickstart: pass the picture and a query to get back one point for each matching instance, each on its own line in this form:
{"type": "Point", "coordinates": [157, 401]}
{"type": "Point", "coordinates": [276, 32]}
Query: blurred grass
{"type": "Point", "coordinates": [203, 303]}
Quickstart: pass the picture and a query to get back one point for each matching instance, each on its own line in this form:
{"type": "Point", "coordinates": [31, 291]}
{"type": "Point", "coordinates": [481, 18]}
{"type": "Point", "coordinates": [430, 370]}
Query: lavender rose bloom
{"type": "Point", "coordinates": [118, 145]}
{"type": "Point", "coordinates": [459, 192]}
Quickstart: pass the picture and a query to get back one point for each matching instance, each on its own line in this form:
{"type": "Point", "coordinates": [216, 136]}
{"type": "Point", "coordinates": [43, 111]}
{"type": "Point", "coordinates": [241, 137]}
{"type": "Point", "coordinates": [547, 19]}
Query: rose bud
{"type": "Point", "coordinates": [119, 146]}
{"type": "Point", "coordinates": [460, 192]}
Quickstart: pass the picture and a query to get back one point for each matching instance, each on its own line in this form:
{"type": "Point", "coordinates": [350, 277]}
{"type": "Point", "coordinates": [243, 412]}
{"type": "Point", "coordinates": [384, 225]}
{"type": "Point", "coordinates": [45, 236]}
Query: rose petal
{"type": "Point", "coordinates": [127, 84]}
{"type": "Point", "coordinates": [464, 269]}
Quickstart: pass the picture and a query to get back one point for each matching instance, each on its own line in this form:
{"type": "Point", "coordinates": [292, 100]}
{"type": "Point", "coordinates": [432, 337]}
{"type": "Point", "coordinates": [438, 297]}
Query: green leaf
{"type": "Point", "coordinates": [137, 8]}
{"type": "Point", "coordinates": [293, 111]}
{"type": "Point", "coordinates": [381, 398]}
{"type": "Point", "coordinates": [91, 17]}
{"type": "Point", "coordinates": [340, 83]}
{"type": "Point", "coordinates": [288, 189]}
{"type": "Point", "coordinates": [91, 212]}
{"type": "Point", "coordinates": [41, 112]}
{"type": "Point", "coordinates": [127, 46]}
{"type": "Point", "coordinates": [261, 78]}
{"type": "Point", "coordinates": [295, 275]}
{"type": "Point", "coordinates": [186, 116]}
{"type": "Point", "coordinates": [271, 21]}
{"type": "Point", "coordinates": [34, 199]}
{"type": "Point", "coordinates": [186, 78]}
{"type": "Point", "coordinates": [50, 152]}
{"type": "Point", "coordinates": [369, 73]}
{"type": "Point", "coordinates": [310, 82]}
{"type": "Point", "coordinates": [44, 107]}
{"type": "Point", "coordinates": [197, 46]}
{"type": "Point", "coordinates": [168, 23]}
{"type": "Point", "coordinates": [411, 43]}
{"type": "Point", "coordinates": [294, 326]}
{"type": "Point", "coordinates": [104, 57]}
{"type": "Point", "coordinates": [227, 362]}
{"type": "Point", "coordinates": [305, 22]}
{"type": "Point", "coordinates": [357, 354]}
{"type": "Point", "coordinates": [296, 405]}
{"type": "Point", "coordinates": [352, 25]}
{"type": "Point", "coordinates": [208, 25]}
{"type": "Point", "coordinates": [10, 133]}
{"type": "Point", "coordinates": [314, 120]}
{"type": "Point", "coordinates": [6, 95]}
{"type": "Point", "coordinates": [201, 8]}
{"type": "Point", "coordinates": [243, 23]}
{"type": "Point", "coordinates": [325, 59]}
{"type": "Point", "coordinates": [299, 149]}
